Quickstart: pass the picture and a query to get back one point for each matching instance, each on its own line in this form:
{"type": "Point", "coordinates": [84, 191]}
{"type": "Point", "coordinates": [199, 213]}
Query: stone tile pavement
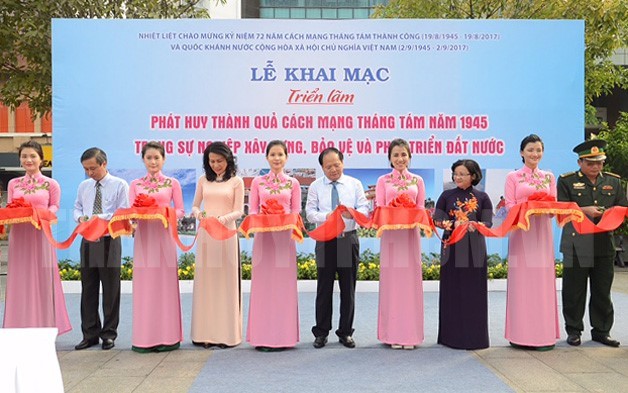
{"type": "Point", "coordinates": [588, 368]}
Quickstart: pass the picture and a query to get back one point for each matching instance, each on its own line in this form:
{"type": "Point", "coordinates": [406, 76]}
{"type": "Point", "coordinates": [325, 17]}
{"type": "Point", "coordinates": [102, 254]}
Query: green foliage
{"type": "Point", "coordinates": [25, 37]}
{"type": "Point", "coordinates": [606, 27]}
{"type": "Point", "coordinates": [68, 270]}
{"type": "Point", "coordinates": [126, 272]}
{"type": "Point", "coordinates": [617, 154]}
{"type": "Point", "coordinates": [617, 148]}
{"type": "Point", "coordinates": [364, 232]}
{"type": "Point", "coordinates": [368, 270]}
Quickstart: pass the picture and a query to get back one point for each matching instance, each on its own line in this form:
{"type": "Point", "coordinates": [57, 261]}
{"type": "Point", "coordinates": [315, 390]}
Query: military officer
{"type": "Point", "coordinates": [589, 257]}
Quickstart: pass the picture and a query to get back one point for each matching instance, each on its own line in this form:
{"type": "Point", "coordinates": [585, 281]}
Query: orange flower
{"type": "Point", "coordinates": [471, 205]}
{"type": "Point", "coordinates": [461, 215]}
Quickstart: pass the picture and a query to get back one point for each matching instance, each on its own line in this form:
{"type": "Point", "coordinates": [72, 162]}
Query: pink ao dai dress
{"type": "Point", "coordinates": [273, 311]}
{"type": "Point", "coordinates": [531, 306]}
{"type": "Point", "coordinates": [400, 315]}
{"type": "Point", "coordinates": [156, 299]}
{"type": "Point", "coordinates": [34, 296]}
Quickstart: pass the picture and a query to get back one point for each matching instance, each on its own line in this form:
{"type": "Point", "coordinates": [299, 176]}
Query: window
{"type": "Point", "coordinates": [317, 9]}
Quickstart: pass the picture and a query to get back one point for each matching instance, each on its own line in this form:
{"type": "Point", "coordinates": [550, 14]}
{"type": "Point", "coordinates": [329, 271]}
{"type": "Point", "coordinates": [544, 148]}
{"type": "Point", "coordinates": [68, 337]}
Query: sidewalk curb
{"type": "Point", "coordinates": [186, 286]}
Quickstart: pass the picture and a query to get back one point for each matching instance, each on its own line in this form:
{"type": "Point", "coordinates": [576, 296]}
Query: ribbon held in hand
{"type": "Point", "coordinates": [272, 206]}
{"type": "Point", "coordinates": [273, 218]}
{"type": "Point", "coordinates": [144, 208]}
{"type": "Point", "coordinates": [403, 200]}
{"type": "Point", "coordinates": [335, 225]}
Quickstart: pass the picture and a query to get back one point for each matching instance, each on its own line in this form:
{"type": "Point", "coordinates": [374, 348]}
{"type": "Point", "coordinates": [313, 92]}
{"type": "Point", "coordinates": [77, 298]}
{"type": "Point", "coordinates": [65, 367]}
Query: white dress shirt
{"type": "Point", "coordinates": [115, 195]}
{"type": "Point", "coordinates": [350, 193]}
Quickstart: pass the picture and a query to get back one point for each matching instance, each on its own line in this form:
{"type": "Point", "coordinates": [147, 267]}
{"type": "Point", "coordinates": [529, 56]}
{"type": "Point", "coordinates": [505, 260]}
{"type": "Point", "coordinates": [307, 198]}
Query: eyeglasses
{"type": "Point", "coordinates": [461, 174]}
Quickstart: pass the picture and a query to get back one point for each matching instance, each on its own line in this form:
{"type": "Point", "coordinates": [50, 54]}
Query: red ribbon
{"type": "Point", "coordinates": [389, 218]}
{"type": "Point", "coordinates": [273, 223]}
{"type": "Point", "coordinates": [19, 211]}
{"type": "Point", "coordinates": [144, 200]}
{"type": "Point", "coordinates": [91, 230]}
{"type": "Point", "coordinates": [402, 200]}
{"type": "Point", "coordinates": [612, 219]}
{"type": "Point", "coordinates": [519, 217]}
{"type": "Point", "coordinates": [272, 206]}
{"type": "Point", "coordinates": [18, 202]}
{"type": "Point", "coordinates": [120, 224]}
{"type": "Point", "coordinates": [335, 225]}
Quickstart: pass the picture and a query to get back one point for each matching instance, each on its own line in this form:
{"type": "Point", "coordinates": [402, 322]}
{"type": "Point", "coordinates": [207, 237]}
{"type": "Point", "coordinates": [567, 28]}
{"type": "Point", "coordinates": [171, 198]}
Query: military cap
{"type": "Point", "coordinates": [592, 150]}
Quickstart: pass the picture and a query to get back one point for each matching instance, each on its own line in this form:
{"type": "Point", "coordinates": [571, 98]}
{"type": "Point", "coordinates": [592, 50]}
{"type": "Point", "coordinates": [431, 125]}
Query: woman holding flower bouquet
{"type": "Point", "coordinates": [217, 302]}
{"type": "Point", "coordinates": [273, 311]}
{"type": "Point", "coordinates": [531, 308]}
{"type": "Point", "coordinates": [400, 315]}
{"type": "Point", "coordinates": [34, 297]}
{"type": "Point", "coordinates": [156, 302]}
{"type": "Point", "coordinates": [463, 303]}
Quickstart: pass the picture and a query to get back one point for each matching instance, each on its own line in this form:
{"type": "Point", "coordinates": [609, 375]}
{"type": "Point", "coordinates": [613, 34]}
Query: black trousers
{"type": "Point", "coordinates": [577, 273]}
{"type": "Point", "coordinates": [100, 263]}
{"type": "Point", "coordinates": [339, 256]}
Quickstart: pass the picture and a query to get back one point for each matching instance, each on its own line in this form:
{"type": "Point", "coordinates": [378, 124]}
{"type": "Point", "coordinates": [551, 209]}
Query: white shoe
{"type": "Point", "coordinates": [396, 346]}
{"type": "Point", "coordinates": [408, 347]}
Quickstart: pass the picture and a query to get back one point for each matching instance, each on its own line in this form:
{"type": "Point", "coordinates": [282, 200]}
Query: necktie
{"type": "Point", "coordinates": [335, 200]}
{"type": "Point", "coordinates": [98, 199]}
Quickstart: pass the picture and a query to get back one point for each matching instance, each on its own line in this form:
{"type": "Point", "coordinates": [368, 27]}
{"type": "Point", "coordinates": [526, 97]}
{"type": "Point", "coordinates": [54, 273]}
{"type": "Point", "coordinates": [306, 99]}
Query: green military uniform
{"type": "Point", "coordinates": [589, 257]}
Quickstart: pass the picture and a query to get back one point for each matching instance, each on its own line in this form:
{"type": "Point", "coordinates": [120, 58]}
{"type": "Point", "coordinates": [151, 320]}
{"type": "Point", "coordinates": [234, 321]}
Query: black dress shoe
{"type": "Point", "coordinates": [347, 341]}
{"type": "Point", "coordinates": [86, 344]}
{"type": "Point", "coordinates": [320, 341]}
{"type": "Point", "coordinates": [606, 340]}
{"type": "Point", "coordinates": [107, 344]}
{"type": "Point", "coordinates": [574, 339]}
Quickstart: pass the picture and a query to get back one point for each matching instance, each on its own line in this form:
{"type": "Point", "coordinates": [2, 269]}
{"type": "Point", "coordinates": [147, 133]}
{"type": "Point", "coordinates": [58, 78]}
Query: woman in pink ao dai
{"type": "Point", "coordinates": [400, 315]}
{"type": "Point", "coordinates": [156, 301]}
{"type": "Point", "coordinates": [273, 311]}
{"type": "Point", "coordinates": [34, 296]}
{"type": "Point", "coordinates": [531, 306]}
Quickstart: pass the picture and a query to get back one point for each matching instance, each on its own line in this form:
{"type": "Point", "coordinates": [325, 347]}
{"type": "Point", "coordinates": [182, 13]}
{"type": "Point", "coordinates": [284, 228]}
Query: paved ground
{"type": "Point", "coordinates": [432, 368]}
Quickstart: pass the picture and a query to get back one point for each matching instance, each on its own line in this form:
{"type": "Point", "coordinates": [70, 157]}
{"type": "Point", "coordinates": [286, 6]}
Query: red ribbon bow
{"type": "Point", "coordinates": [272, 207]}
{"type": "Point", "coordinates": [541, 196]}
{"type": "Point", "coordinates": [143, 200]}
{"type": "Point", "coordinates": [403, 200]}
{"type": "Point", "coordinates": [18, 202]}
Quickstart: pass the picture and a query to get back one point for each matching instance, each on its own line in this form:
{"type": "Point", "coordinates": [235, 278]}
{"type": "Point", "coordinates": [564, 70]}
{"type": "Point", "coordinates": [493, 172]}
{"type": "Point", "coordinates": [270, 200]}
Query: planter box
{"type": "Point", "coordinates": [186, 286]}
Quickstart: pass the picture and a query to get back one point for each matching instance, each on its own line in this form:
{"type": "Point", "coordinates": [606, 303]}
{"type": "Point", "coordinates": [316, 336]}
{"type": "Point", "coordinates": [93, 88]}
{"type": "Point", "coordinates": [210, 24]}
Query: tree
{"type": "Point", "coordinates": [606, 27]}
{"type": "Point", "coordinates": [617, 156]}
{"type": "Point", "coordinates": [25, 39]}
{"type": "Point", "coordinates": [617, 148]}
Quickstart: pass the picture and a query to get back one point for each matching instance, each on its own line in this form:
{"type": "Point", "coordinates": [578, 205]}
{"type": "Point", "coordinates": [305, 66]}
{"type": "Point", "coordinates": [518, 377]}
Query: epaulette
{"type": "Point", "coordinates": [568, 174]}
{"type": "Point", "coordinates": [612, 174]}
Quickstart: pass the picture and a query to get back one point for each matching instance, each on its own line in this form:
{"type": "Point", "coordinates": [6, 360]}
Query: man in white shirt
{"type": "Point", "coordinates": [340, 255]}
{"type": "Point", "coordinates": [99, 196]}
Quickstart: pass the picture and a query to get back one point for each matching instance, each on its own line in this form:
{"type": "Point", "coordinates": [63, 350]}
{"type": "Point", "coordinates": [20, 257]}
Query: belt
{"type": "Point", "coordinates": [346, 234]}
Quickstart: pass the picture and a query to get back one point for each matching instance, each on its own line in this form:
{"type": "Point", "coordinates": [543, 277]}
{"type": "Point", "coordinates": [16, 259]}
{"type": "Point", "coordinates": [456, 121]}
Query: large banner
{"type": "Point", "coordinates": [452, 88]}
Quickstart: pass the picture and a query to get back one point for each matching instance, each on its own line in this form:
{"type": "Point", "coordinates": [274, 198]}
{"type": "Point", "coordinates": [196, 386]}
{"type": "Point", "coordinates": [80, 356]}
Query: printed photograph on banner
{"type": "Point", "coordinates": [494, 187]}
